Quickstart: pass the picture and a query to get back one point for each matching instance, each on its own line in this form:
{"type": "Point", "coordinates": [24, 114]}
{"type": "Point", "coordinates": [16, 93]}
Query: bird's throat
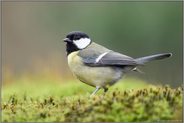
{"type": "Point", "coordinates": [70, 47]}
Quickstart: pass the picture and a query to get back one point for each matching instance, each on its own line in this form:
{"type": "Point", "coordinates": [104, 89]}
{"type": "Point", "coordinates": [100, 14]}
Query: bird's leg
{"type": "Point", "coordinates": [94, 92]}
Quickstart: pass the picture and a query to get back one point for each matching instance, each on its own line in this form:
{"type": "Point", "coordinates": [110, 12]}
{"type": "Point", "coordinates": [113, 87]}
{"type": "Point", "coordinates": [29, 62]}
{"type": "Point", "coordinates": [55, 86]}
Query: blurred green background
{"type": "Point", "coordinates": [33, 33]}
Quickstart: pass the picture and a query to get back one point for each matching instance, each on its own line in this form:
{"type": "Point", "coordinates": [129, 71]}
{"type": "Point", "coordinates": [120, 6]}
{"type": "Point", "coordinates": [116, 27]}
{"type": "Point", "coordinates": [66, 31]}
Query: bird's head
{"type": "Point", "coordinates": [76, 40]}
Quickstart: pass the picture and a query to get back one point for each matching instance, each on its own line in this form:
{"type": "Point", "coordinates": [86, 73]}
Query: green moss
{"type": "Point", "coordinates": [145, 104]}
{"type": "Point", "coordinates": [152, 104]}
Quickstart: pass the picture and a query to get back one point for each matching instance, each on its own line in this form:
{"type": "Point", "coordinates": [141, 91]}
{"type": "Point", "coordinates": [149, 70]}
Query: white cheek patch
{"type": "Point", "coordinates": [82, 43]}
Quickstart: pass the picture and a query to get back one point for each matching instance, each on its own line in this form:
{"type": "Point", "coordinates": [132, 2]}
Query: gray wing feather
{"type": "Point", "coordinates": [116, 59]}
{"type": "Point", "coordinates": [89, 56]}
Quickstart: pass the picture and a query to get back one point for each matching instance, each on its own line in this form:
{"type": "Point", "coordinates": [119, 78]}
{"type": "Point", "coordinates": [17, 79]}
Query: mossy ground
{"type": "Point", "coordinates": [130, 100]}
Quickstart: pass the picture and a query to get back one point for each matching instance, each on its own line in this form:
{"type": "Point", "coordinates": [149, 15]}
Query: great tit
{"type": "Point", "coordinates": [98, 66]}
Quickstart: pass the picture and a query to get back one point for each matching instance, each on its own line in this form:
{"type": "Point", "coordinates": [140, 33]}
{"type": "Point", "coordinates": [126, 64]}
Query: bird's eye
{"type": "Point", "coordinates": [76, 37]}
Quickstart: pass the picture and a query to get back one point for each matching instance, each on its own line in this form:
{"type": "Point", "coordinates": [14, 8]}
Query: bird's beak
{"type": "Point", "coordinates": [67, 40]}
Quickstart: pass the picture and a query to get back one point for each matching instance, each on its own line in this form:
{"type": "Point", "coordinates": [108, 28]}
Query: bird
{"type": "Point", "coordinates": [98, 66]}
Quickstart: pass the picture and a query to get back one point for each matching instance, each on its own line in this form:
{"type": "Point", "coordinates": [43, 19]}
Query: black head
{"type": "Point", "coordinates": [76, 41]}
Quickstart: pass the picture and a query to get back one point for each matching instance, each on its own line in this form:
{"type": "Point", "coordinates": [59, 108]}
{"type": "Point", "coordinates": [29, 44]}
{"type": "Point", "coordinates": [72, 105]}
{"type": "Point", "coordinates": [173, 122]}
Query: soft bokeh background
{"type": "Point", "coordinates": [33, 33]}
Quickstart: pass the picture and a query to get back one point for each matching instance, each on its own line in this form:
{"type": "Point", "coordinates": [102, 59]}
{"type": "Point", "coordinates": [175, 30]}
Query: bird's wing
{"type": "Point", "coordinates": [106, 58]}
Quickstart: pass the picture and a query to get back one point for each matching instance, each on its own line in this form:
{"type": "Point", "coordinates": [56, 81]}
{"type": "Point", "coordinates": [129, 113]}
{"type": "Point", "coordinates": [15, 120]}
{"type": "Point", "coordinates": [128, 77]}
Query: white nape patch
{"type": "Point", "coordinates": [100, 56]}
{"type": "Point", "coordinates": [82, 43]}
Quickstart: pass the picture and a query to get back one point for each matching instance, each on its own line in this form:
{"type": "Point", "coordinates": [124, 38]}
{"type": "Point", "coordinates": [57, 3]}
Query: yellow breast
{"type": "Point", "coordinates": [74, 59]}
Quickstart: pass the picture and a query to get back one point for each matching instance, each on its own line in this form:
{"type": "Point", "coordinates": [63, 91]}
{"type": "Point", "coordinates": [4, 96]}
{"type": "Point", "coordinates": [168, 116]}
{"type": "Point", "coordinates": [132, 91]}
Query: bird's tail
{"type": "Point", "coordinates": [145, 59]}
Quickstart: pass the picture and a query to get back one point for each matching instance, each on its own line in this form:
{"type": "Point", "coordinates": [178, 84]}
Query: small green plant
{"type": "Point", "coordinates": [117, 105]}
